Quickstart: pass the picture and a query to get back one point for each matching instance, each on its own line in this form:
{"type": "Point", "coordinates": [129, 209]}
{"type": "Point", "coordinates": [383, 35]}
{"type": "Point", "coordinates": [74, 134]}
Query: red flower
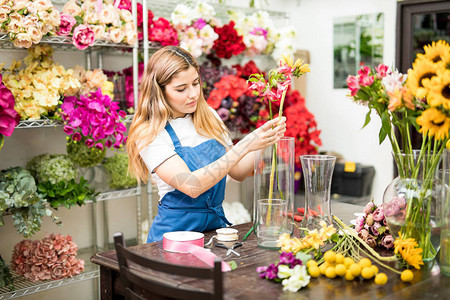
{"type": "Point", "coordinates": [162, 32]}
{"type": "Point", "coordinates": [247, 70]}
{"type": "Point", "coordinates": [229, 42]}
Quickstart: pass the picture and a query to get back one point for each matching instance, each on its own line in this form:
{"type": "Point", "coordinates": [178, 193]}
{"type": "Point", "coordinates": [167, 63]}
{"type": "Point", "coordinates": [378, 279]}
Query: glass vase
{"type": "Point", "coordinates": [274, 180]}
{"type": "Point", "coordinates": [317, 173]}
{"type": "Point", "coordinates": [412, 202]}
{"type": "Point", "coordinates": [444, 174]}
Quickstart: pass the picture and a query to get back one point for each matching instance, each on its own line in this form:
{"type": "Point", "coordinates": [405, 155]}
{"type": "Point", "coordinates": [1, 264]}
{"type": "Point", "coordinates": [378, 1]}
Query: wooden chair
{"type": "Point", "coordinates": [138, 283]}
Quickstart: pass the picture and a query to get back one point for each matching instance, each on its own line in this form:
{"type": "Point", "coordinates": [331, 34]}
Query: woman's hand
{"type": "Point", "coordinates": [264, 136]}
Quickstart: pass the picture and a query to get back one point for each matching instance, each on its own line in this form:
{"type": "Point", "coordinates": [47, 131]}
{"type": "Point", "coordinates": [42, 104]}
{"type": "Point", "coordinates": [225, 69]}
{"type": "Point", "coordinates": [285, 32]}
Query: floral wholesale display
{"type": "Point", "coordinates": [26, 21]}
{"type": "Point", "coordinates": [98, 20]}
{"type": "Point", "coordinates": [93, 123]}
{"type": "Point", "coordinates": [229, 42]}
{"type": "Point", "coordinates": [116, 167]}
{"type": "Point", "coordinates": [159, 30]}
{"type": "Point", "coordinates": [194, 25]}
{"type": "Point", "coordinates": [52, 258]}
{"type": "Point", "coordinates": [19, 197]}
{"type": "Point", "coordinates": [372, 227]}
{"type": "Point", "coordinates": [9, 118]}
{"type": "Point", "coordinates": [420, 101]}
{"type": "Point", "coordinates": [39, 86]}
{"type": "Point", "coordinates": [92, 80]}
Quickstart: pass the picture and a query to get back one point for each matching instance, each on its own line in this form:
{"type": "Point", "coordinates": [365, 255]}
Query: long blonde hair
{"type": "Point", "coordinates": [153, 110]}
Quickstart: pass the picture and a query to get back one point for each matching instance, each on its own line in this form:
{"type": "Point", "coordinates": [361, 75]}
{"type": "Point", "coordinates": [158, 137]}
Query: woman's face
{"type": "Point", "coordinates": [183, 92]}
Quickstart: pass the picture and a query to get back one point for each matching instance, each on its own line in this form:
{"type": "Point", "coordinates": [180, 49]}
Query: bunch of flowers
{"type": "Point", "coordinates": [52, 258]}
{"type": "Point", "coordinates": [290, 270]}
{"type": "Point", "coordinates": [52, 168]}
{"type": "Point", "coordinates": [88, 21]}
{"type": "Point", "coordinates": [95, 117]}
{"type": "Point", "coordinates": [40, 86]}
{"type": "Point", "coordinates": [92, 80]}
{"type": "Point", "coordinates": [194, 25]}
{"type": "Point", "coordinates": [9, 118]}
{"type": "Point", "coordinates": [372, 227]}
{"type": "Point", "coordinates": [254, 29]}
{"type": "Point", "coordinates": [421, 101]}
{"type": "Point", "coordinates": [229, 42]}
{"type": "Point", "coordinates": [27, 21]}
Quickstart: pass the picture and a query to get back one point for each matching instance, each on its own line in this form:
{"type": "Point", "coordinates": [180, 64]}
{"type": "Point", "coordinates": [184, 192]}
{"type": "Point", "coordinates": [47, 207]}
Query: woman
{"type": "Point", "coordinates": [183, 143]}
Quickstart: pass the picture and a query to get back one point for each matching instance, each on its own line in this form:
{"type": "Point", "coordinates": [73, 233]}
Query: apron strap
{"type": "Point", "coordinates": [173, 136]}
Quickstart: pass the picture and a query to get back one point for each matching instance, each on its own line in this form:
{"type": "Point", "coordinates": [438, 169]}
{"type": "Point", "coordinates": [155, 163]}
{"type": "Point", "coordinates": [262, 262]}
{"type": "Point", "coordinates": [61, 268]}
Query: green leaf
{"type": "Point", "coordinates": [367, 118]}
{"type": "Point", "coordinates": [233, 265]}
{"type": "Point", "coordinates": [335, 237]}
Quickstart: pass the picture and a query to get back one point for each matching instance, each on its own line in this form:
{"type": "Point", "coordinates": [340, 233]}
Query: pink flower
{"type": "Point", "coordinates": [66, 25]}
{"type": "Point", "coordinates": [369, 219]}
{"type": "Point", "coordinates": [378, 214]}
{"type": "Point", "coordinates": [353, 84]}
{"type": "Point", "coordinates": [83, 37]}
{"type": "Point", "coordinates": [366, 80]}
{"type": "Point", "coordinates": [125, 4]}
{"type": "Point", "coordinates": [375, 228]}
{"type": "Point", "coordinates": [9, 118]}
{"type": "Point", "coordinates": [369, 208]}
{"type": "Point", "coordinates": [363, 234]}
{"type": "Point", "coordinates": [371, 241]}
{"type": "Point", "coordinates": [381, 71]}
{"type": "Point", "coordinates": [359, 223]}
{"type": "Point", "coordinates": [199, 24]}
{"type": "Point", "coordinates": [387, 242]}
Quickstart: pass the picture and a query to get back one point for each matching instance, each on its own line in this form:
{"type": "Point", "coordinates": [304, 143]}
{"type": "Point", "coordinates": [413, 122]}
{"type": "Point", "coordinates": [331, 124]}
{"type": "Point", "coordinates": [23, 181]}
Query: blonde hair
{"type": "Point", "coordinates": [153, 110]}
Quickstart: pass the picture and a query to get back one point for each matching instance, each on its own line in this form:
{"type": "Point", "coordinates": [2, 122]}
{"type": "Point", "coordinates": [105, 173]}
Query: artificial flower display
{"type": "Point", "coordinates": [52, 258]}
{"type": "Point", "coordinates": [41, 85]}
{"type": "Point", "coordinates": [9, 118]}
{"type": "Point", "coordinates": [27, 21]}
{"type": "Point", "coordinates": [195, 26]}
{"type": "Point", "coordinates": [372, 227]}
{"type": "Point", "coordinates": [418, 101]}
{"type": "Point", "coordinates": [98, 20]}
{"type": "Point", "coordinates": [93, 123]}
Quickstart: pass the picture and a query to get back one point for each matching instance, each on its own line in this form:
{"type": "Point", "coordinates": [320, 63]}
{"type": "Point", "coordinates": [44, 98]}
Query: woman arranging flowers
{"type": "Point", "coordinates": [420, 101]}
{"type": "Point", "coordinates": [184, 144]}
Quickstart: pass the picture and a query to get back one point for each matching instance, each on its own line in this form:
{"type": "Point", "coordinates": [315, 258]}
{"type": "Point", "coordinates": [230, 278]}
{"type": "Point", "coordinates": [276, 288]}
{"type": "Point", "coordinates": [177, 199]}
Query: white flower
{"type": "Point", "coordinates": [284, 271]}
{"type": "Point", "coordinates": [98, 31]}
{"type": "Point", "coordinates": [205, 11]}
{"type": "Point", "coordinates": [108, 14]}
{"type": "Point", "coordinates": [126, 15]}
{"type": "Point", "coordinates": [41, 5]}
{"type": "Point", "coordinates": [236, 212]}
{"type": "Point", "coordinates": [23, 40]}
{"type": "Point", "coordinates": [116, 35]}
{"type": "Point", "coordinates": [298, 279]}
{"type": "Point", "coordinates": [183, 16]}
{"type": "Point", "coordinates": [35, 34]}
{"type": "Point", "coordinates": [71, 8]}
{"type": "Point", "coordinates": [91, 18]}
{"type": "Point", "coordinates": [393, 80]}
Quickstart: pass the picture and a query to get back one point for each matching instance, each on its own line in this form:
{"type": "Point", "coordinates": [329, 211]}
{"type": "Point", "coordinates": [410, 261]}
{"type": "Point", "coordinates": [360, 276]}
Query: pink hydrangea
{"type": "Point", "coordinates": [83, 37]}
{"type": "Point", "coordinates": [52, 258]}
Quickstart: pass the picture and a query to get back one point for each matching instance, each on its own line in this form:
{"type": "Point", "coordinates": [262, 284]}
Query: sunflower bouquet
{"type": "Point", "coordinates": [419, 101]}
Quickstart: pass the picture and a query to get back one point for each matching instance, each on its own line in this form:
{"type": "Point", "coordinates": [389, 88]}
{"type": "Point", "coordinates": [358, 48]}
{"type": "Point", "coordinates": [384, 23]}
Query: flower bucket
{"type": "Point", "coordinates": [274, 179]}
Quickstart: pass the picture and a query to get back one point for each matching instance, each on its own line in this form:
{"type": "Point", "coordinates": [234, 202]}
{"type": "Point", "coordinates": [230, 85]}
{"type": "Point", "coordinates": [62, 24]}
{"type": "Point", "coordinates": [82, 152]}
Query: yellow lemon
{"type": "Point", "coordinates": [349, 275]}
{"type": "Point", "coordinates": [330, 272]}
{"type": "Point", "coordinates": [348, 261]}
{"type": "Point", "coordinates": [365, 262]}
{"type": "Point", "coordinates": [311, 263]}
{"type": "Point", "coordinates": [381, 279]}
{"type": "Point", "coordinates": [340, 270]}
{"type": "Point", "coordinates": [339, 258]}
{"type": "Point", "coordinates": [407, 276]}
{"type": "Point", "coordinates": [367, 273]}
{"type": "Point", "coordinates": [375, 269]}
{"type": "Point", "coordinates": [355, 269]}
{"type": "Point", "coordinates": [330, 256]}
{"type": "Point", "coordinates": [314, 271]}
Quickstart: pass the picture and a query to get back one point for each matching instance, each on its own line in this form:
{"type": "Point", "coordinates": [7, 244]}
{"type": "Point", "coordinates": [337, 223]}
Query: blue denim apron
{"type": "Point", "coordinates": [176, 210]}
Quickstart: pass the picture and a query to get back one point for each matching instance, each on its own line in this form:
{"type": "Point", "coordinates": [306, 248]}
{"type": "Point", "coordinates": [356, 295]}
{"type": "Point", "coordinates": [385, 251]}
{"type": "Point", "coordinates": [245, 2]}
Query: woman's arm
{"type": "Point", "coordinates": [175, 172]}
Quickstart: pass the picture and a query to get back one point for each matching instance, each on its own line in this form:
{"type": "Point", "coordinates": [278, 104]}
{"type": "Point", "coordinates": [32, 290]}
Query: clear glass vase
{"type": "Point", "coordinates": [412, 202]}
{"type": "Point", "coordinates": [317, 173]}
{"type": "Point", "coordinates": [274, 180]}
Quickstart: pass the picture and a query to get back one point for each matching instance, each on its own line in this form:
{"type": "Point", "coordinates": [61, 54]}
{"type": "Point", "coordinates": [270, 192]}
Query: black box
{"type": "Point", "coordinates": [357, 183]}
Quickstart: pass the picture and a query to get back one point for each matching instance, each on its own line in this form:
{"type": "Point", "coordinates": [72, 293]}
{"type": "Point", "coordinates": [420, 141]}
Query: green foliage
{"type": "Point", "coordinates": [84, 156]}
{"type": "Point", "coordinates": [67, 193]}
{"type": "Point", "coordinates": [52, 168]}
{"type": "Point", "coordinates": [116, 167]}
{"type": "Point", "coordinates": [19, 197]}
{"type": "Point", "coordinates": [6, 279]}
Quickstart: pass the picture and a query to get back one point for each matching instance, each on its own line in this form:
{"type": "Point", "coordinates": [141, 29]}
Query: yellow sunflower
{"type": "Point", "coordinates": [421, 72]}
{"type": "Point", "coordinates": [434, 123]}
{"type": "Point", "coordinates": [439, 89]}
{"type": "Point", "coordinates": [435, 51]}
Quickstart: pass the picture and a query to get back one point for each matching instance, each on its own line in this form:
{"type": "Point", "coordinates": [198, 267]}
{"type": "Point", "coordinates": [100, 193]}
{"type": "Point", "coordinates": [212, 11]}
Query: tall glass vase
{"type": "Point", "coordinates": [274, 180]}
{"type": "Point", "coordinates": [412, 201]}
{"type": "Point", "coordinates": [317, 172]}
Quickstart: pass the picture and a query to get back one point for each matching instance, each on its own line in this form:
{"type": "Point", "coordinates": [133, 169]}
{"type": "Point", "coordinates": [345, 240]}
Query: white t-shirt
{"type": "Point", "coordinates": [162, 148]}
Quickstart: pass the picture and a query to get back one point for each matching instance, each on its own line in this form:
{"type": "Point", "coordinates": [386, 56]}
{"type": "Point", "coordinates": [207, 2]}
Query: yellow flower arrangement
{"type": "Point", "coordinates": [41, 85]}
{"type": "Point", "coordinates": [408, 251]}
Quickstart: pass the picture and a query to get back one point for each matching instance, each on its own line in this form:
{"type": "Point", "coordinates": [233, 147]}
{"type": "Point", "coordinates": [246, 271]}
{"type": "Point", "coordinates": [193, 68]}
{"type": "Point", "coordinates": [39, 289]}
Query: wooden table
{"type": "Point", "coordinates": [244, 282]}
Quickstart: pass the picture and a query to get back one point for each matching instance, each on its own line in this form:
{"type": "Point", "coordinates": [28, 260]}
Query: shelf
{"type": "Point", "coordinates": [118, 194]}
{"type": "Point", "coordinates": [64, 43]}
{"type": "Point", "coordinates": [54, 123]}
{"type": "Point", "coordinates": [25, 287]}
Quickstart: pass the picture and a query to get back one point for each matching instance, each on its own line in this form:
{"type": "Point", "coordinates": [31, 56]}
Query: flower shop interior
{"type": "Point", "coordinates": [79, 49]}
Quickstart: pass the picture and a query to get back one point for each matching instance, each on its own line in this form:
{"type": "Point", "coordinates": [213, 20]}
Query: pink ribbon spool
{"type": "Point", "coordinates": [190, 242]}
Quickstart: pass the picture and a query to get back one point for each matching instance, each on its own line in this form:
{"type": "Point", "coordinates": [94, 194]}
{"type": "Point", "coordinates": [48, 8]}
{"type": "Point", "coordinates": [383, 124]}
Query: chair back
{"type": "Point", "coordinates": [137, 281]}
